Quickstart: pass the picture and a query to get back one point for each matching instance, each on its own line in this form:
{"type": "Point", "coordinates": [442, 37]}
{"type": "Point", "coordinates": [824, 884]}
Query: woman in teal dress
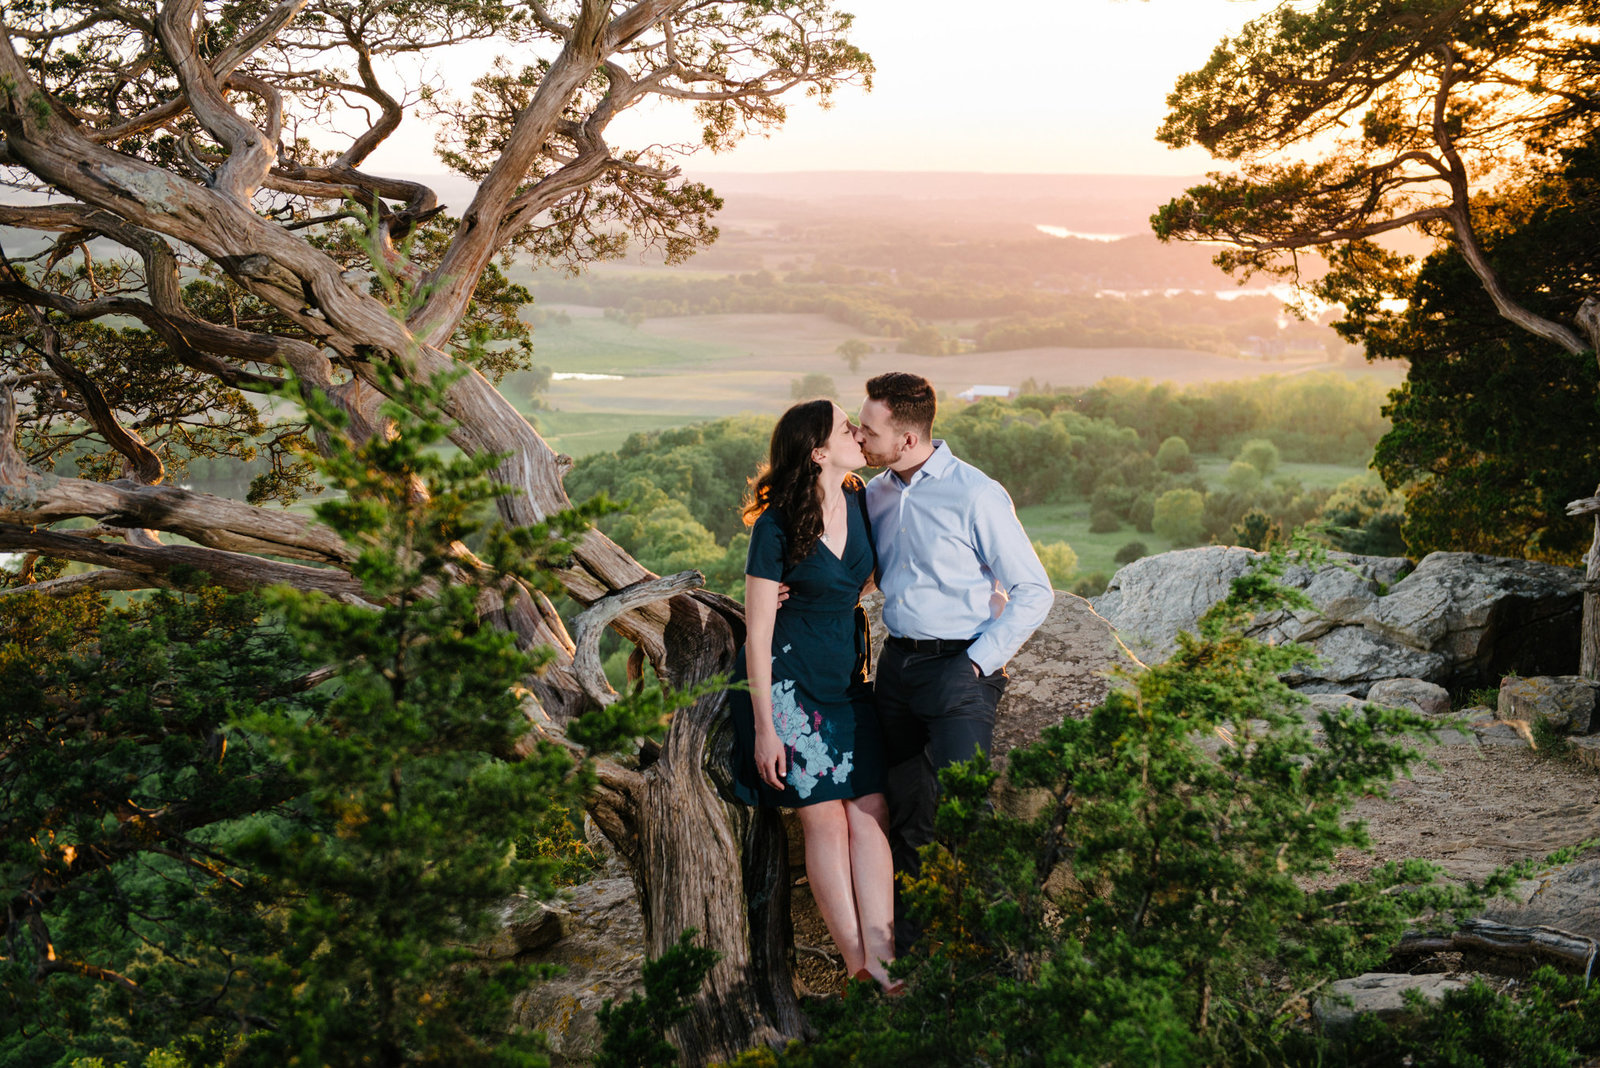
{"type": "Point", "coordinates": [807, 729]}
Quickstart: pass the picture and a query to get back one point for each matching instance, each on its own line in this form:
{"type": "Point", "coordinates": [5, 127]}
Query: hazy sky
{"type": "Point", "coordinates": [1051, 86]}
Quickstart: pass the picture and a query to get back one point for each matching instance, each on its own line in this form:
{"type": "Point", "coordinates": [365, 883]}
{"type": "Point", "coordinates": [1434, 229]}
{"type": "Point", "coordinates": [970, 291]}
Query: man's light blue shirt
{"type": "Point", "coordinates": [954, 561]}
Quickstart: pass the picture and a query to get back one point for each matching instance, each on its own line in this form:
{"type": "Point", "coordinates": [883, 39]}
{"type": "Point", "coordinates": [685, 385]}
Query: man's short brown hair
{"type": "Point", "coordinates": [910, 399]}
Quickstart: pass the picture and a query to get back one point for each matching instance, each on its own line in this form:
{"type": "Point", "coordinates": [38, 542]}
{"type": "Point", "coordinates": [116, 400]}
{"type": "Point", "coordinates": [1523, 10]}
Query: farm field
{"type": "Point", "coordinates": [1312, 476]}
{"type": "Point", "coordinates": [1069, 522]}
{"type": "Point", "coordinates": [675, 371]}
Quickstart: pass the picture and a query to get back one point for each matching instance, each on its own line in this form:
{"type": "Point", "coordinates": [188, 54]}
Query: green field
{"type": "Point", "coordinates": [584, 433]}
{"type": "Point", "coordinates": [1070, 523]}
{"type": "Point", "coordinates": [1312, 476]}
{"type": "Point", "coordinates": [604, 346]}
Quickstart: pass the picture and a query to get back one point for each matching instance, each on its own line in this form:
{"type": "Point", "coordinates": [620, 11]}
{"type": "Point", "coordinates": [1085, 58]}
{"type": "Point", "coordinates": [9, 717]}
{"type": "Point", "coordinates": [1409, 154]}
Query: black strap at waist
{"type": "Point", "coordinates": [930, 646]}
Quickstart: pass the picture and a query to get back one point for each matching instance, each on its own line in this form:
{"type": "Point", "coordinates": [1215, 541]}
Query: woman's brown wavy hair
{"type": "Point", "coordinates": [789, 480]}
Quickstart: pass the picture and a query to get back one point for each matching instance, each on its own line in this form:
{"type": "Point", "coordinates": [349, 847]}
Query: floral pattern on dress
{"type": "Point", "coordinates": [801, 732]}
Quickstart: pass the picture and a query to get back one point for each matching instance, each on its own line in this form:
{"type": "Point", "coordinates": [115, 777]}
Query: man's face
{"type": "Point", "coordinates": [881, 443]}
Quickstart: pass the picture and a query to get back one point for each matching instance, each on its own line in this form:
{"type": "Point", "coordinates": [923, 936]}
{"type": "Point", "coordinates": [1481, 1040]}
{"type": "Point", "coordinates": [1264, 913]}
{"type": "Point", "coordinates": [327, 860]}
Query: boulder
{"type": "Point", "coordinates": [1063, 670]}
{"type": "Point", "coordinates": [1415, 694]}
{"type": "Point", "coordinates": [1154, 598]}
{"type": "Point", "coordinates": [600, 952]}
{"type": "Point", "coordinates": [1382, 994]}
{"type": "Point", "coordinates": [1489, 615]}
{"type": "Point", "coordinates": [1458, 619]}
{"type": "Point", "coordinates": [1349, 659]}
{"type": "Point", "coordinates": [1564, 702]}
{"type": "Point", "coordinates": [527, 929]}
{"type": "Point", "coordinates": [1586, 749]}
{"type": "Point", "coordinates": [1330, 702]}
{"type": "Point", "coordinates": [1491, 731]}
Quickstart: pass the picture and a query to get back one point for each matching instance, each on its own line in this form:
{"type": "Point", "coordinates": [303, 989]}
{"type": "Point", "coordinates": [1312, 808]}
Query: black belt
{"type": "Point", "coordinates": [930, 646]}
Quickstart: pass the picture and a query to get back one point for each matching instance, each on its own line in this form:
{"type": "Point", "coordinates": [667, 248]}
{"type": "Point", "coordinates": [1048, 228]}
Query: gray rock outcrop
{"type": "Point", "coordinates": [1566, 898]}
{"type": "Point", "coordinates": [600, 950]}
{"type": "Point", "coordinates": [1458, 619]}
{"type": "Point", "coordinates": [1414, 694]}
{"type": "Point", "coordinates": [1562, 702]}
{"type": "Point", "coordinates": [1063, 670]}
{"type": "Point", "coordinates": [1382, 994]}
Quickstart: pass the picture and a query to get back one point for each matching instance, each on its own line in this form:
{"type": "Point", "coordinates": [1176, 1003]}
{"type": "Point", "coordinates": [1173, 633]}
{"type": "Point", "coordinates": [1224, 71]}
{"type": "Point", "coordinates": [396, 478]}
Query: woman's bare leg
{"type": "Point", "coordinates": [828, 850]}
{"type": "Point", "coordinates": [872, 870]}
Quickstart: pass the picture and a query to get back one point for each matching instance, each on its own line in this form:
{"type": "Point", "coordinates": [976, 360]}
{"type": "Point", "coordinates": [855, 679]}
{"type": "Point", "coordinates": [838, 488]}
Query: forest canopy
{"type": "Point", "coordinates": [1472, 124]}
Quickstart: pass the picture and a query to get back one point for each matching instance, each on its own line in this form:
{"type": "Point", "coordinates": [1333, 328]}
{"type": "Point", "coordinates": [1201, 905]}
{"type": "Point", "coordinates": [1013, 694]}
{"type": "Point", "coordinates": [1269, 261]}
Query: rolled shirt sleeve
{"type": "Point", "coordinates": [949, 544]}
{"type": "Point", "coordinates": [1008, 554]}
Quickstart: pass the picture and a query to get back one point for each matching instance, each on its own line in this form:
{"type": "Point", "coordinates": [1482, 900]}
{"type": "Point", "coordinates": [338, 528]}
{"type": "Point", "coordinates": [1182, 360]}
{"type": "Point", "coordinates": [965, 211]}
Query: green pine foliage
{"type": "Point", "coordinates": [1153, 910]}
{"type": "Point", "coordinates": [407, 808]}
{"type": "Point", "coordinates": [1553, 1021]}
{"type": "Point", "coordinates": [635, 1032]}
{"type": "Point", "coordinates": [210, 860]}
{"type": "Point", "coordinates": [124, 790]}
{"type": "Point", "coordinates": [1495, 430]}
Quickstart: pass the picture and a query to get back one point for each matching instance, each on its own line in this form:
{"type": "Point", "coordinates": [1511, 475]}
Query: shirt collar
{"type": "Point", "coordinates": [935, 466]}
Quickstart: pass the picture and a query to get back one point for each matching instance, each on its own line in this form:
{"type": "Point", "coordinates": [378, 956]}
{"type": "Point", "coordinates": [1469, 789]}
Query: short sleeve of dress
{"type": "Point", "coordinates": [765, 558]}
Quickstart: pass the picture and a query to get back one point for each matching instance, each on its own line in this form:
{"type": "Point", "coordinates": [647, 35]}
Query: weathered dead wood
{"type": "Point", "coordinates": [14, 469]}
{"type": "Point", "coordinates": [594, 620]}
{"type": "Point", "coordinates": [1589, 634]}
{"type": "Point", "coordinates": [1545, 944]}
{"type": "Point", "coordinates": [479, 236]}
{"type": "Point", "coordinates": [1588, 319]}
{"type": "Point", "coordinates": [233, 571]}
{"type": "Point", "coordinates": [731, 891]}
{"type": "Point", "coordinates": [206, 520]}
{"type": "Point", "coordinates": [101, 581]}
{"type": "Point", "coordinates": [251, 152]}
{"type": "Point", "coordinates": [139, 460]}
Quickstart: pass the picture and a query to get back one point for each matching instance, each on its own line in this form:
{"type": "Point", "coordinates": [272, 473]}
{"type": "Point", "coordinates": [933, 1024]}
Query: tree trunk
{"type": "Point", "coordinates": [1589, 641]}
{"type": "Point", "coordinates": [722, 869]}
{"type": "Point", "coordinates": [698, 860]}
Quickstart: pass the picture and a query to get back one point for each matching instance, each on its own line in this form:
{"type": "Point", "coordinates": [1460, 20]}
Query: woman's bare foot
{"type": "Point", "coordinates": [891, 987]}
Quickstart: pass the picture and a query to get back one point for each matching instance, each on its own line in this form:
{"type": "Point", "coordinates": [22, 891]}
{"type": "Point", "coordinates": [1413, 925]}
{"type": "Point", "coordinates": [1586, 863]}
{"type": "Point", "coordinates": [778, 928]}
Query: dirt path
{"type": "Point", "coordinates": [1474, 807]}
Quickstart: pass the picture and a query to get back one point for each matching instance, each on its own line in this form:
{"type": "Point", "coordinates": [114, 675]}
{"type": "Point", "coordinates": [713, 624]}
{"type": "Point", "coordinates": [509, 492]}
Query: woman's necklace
{"type": "Point", "coordinates": [838, 511]}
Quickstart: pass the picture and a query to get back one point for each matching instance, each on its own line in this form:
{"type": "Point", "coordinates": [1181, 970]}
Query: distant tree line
{"type": "Point", "coordinates": [880, 305]}
{"type": "Point", "coordinates": [1126, 447]}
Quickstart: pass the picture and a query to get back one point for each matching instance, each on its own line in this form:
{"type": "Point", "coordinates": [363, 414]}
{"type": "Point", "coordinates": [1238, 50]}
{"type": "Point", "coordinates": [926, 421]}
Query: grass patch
{"type": "Point", "coordinates": [605, 346]}
{"type": "Point", "coordinates": [1070, 523]}
{"type": "Point", "coordinates": [586, 433]}
{"type": "Point", "coordinates": [1312, 476]}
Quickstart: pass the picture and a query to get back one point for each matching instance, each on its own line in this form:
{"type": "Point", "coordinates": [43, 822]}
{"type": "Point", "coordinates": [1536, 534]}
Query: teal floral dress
{"type": "Point", "coordinates": [822, 704]}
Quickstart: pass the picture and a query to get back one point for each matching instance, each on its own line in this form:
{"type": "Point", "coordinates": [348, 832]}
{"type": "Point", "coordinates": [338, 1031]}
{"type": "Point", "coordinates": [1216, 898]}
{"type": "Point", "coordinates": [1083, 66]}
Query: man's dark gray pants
{"type": "Point", "coordinates": [936, 711]}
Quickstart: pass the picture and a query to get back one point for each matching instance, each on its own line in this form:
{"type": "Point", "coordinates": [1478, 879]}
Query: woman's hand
{"type": "Point", "coordinates": [771, 761]}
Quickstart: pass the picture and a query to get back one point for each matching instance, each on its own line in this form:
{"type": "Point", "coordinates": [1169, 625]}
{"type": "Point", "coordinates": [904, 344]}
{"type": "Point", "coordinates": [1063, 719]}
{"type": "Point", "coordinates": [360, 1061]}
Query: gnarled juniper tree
{"type": "Point", "coordinates": [199, 245]}
{"type": "Point", "coordinates": [279, 828]}
{"type": "Point", "coordinates": [1346, 120]}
